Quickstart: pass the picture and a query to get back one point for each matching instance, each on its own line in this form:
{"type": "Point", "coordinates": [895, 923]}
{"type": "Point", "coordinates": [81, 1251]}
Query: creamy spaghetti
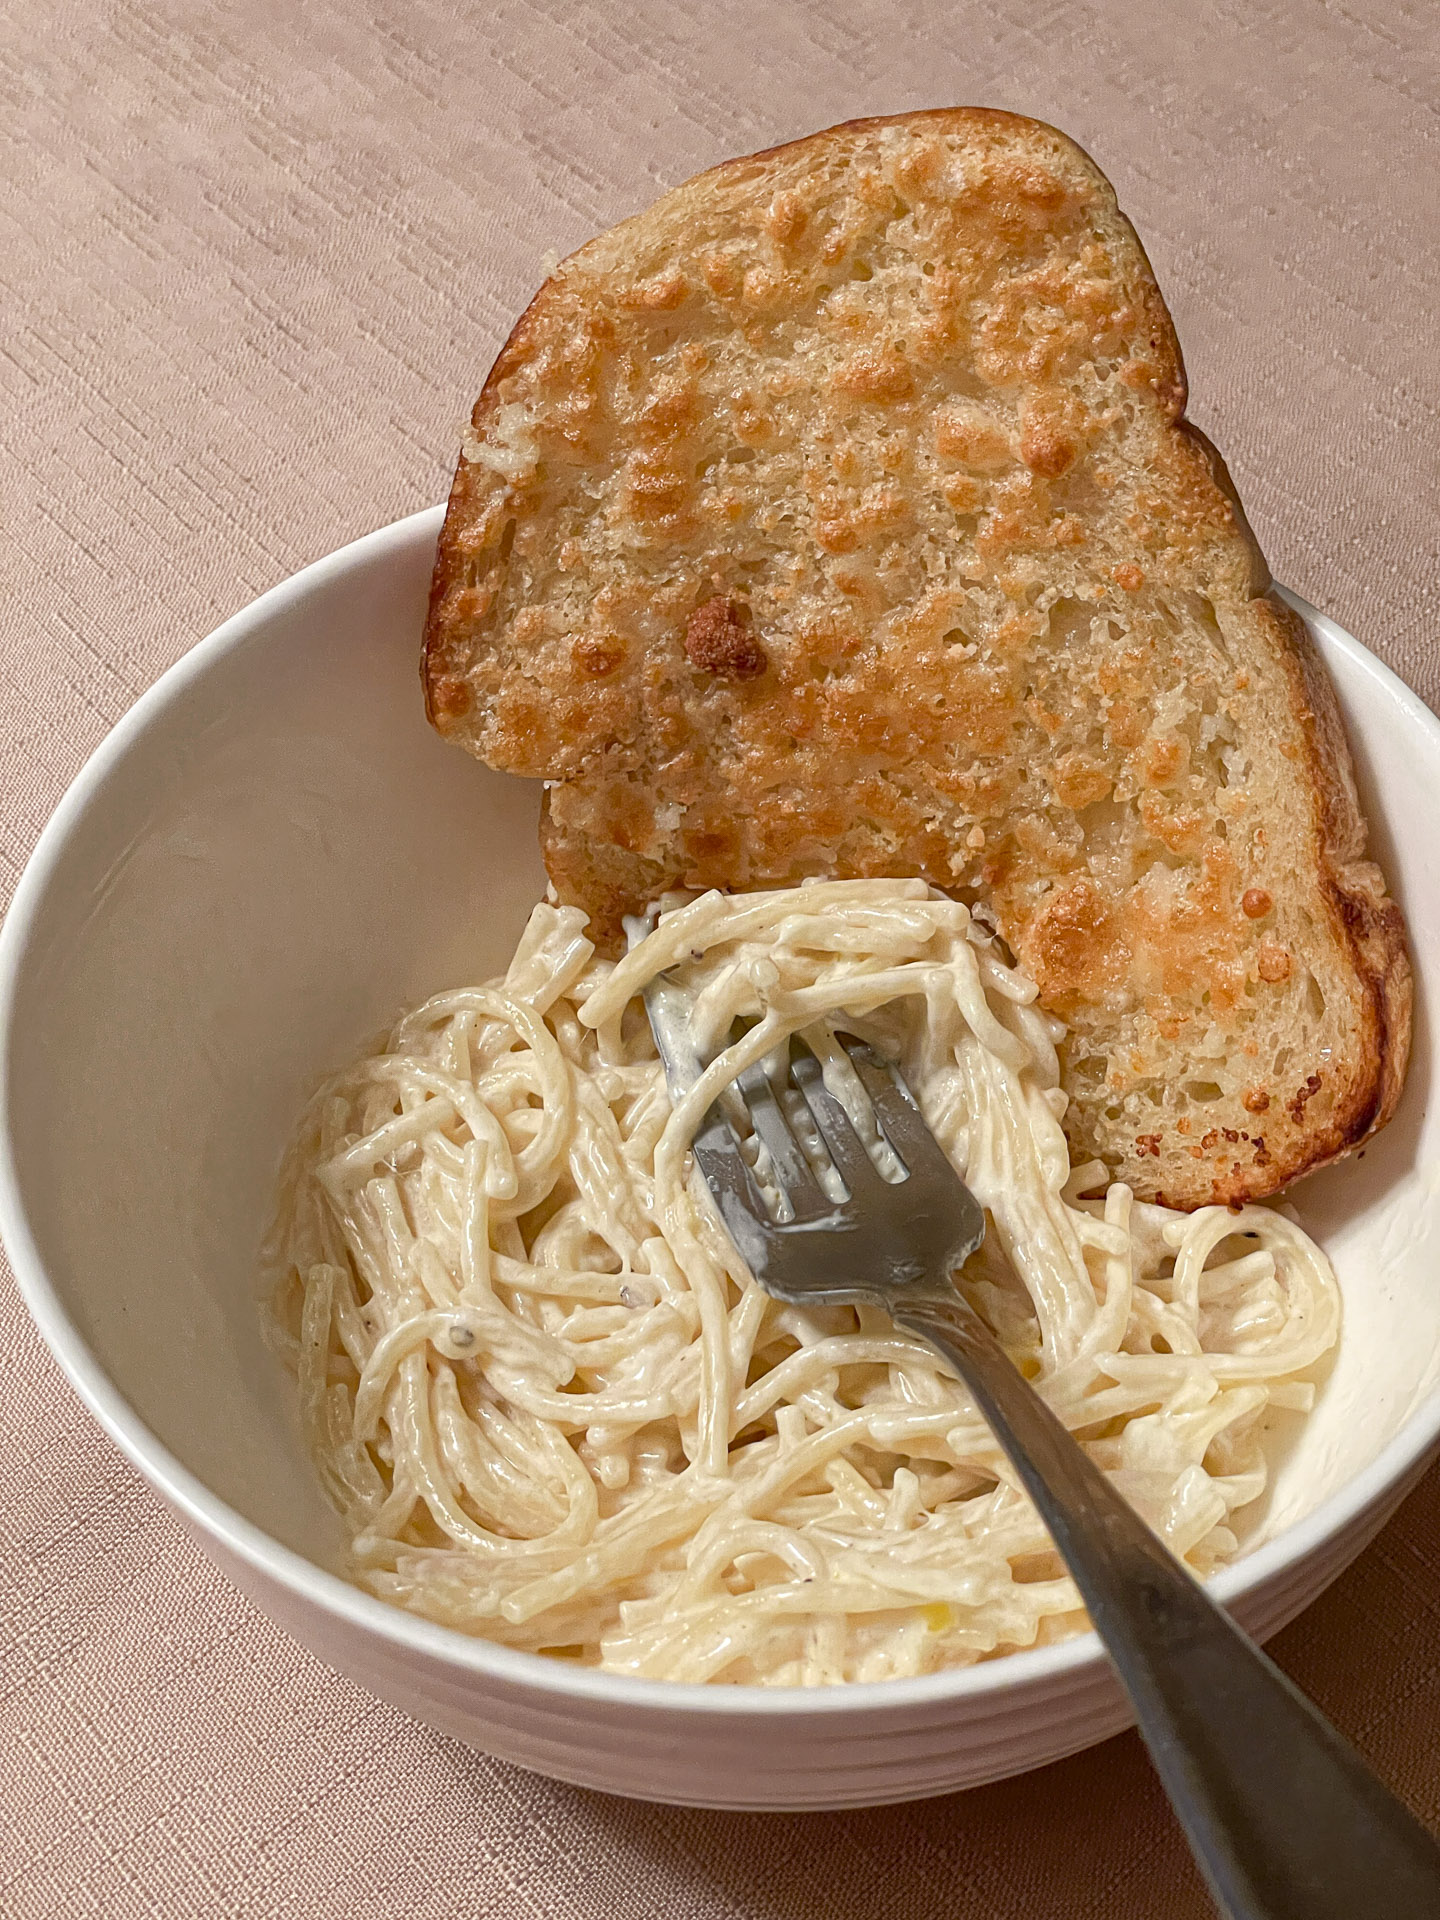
{"type": "Point", "coordinates": [555, 1410]}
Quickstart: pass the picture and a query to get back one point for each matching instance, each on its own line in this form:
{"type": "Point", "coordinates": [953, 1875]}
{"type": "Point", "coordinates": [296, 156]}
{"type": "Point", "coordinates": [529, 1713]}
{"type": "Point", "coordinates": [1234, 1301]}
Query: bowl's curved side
{"type": "Point", "coordinates": [212, 812]}
{"type": "Point", "coordinates": [759, 1756]}
{"type": "Point", "coordinates": [762, 1758]}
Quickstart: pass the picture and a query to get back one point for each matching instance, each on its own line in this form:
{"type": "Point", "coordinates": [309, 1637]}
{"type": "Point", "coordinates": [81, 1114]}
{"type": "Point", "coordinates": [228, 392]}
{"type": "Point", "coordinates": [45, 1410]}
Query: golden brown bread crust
{"type": "Point", "coordinates": [1367, 921]}
{"type": "Point", "coordinates": [838, 515]}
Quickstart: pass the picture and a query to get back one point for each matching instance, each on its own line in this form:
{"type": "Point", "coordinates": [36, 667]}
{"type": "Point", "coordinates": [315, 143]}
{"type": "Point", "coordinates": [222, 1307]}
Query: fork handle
{"type": "Point", "coordinates": [1285, 1819]}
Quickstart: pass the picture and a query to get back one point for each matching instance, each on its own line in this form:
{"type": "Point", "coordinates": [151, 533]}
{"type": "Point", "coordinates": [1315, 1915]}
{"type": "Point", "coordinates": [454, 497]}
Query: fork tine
{"type": "Point", "coordinates": [896, 1109]}
{"type": "Point", "coordinates": [847, 1149]}
{"type": "Point", "coordinates": [793, 1171]}
{"type": "Point", "coordinates": [733, 1186]}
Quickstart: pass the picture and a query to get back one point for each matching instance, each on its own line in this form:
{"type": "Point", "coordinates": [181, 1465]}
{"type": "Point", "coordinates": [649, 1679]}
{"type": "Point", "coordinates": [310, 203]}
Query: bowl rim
{"type": "Point", "coordinates": [313, 1586]}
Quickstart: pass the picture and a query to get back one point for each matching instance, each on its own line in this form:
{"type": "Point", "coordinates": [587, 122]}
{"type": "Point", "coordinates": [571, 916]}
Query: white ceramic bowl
{"type": "Point", "coordinates": [268, 858]}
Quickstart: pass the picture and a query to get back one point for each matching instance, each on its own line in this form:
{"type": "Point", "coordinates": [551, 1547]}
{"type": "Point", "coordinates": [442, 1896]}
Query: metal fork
{"type": "Point", "coordinates": [1284, 1818]}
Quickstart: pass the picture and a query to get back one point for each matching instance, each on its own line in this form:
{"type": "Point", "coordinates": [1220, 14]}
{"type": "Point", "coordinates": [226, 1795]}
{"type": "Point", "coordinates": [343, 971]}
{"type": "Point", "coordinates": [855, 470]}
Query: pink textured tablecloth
{"type": "Point", "coordinates": [255, 260]}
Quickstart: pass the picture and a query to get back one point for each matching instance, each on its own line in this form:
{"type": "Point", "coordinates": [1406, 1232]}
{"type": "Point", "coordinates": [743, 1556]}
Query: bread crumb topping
{"type": "Point", "coordinates": [718, 640]}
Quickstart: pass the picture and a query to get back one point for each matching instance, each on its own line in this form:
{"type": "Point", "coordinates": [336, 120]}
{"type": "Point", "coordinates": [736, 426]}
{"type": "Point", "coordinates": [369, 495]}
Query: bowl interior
{"type": "Point", "coordinates": [274, 855]}
{"type": "Point", "coordinates": [279, 857]}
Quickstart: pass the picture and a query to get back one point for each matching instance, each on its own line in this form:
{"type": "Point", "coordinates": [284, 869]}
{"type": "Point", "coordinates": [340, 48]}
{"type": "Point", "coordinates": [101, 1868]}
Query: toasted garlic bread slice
{"type": "Point", "coordinates": [837, 516]}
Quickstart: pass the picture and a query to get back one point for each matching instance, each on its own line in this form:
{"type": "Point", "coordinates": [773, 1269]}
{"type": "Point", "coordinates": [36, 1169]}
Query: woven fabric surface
{"type": "Point", "coordinates": [254, 262]}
